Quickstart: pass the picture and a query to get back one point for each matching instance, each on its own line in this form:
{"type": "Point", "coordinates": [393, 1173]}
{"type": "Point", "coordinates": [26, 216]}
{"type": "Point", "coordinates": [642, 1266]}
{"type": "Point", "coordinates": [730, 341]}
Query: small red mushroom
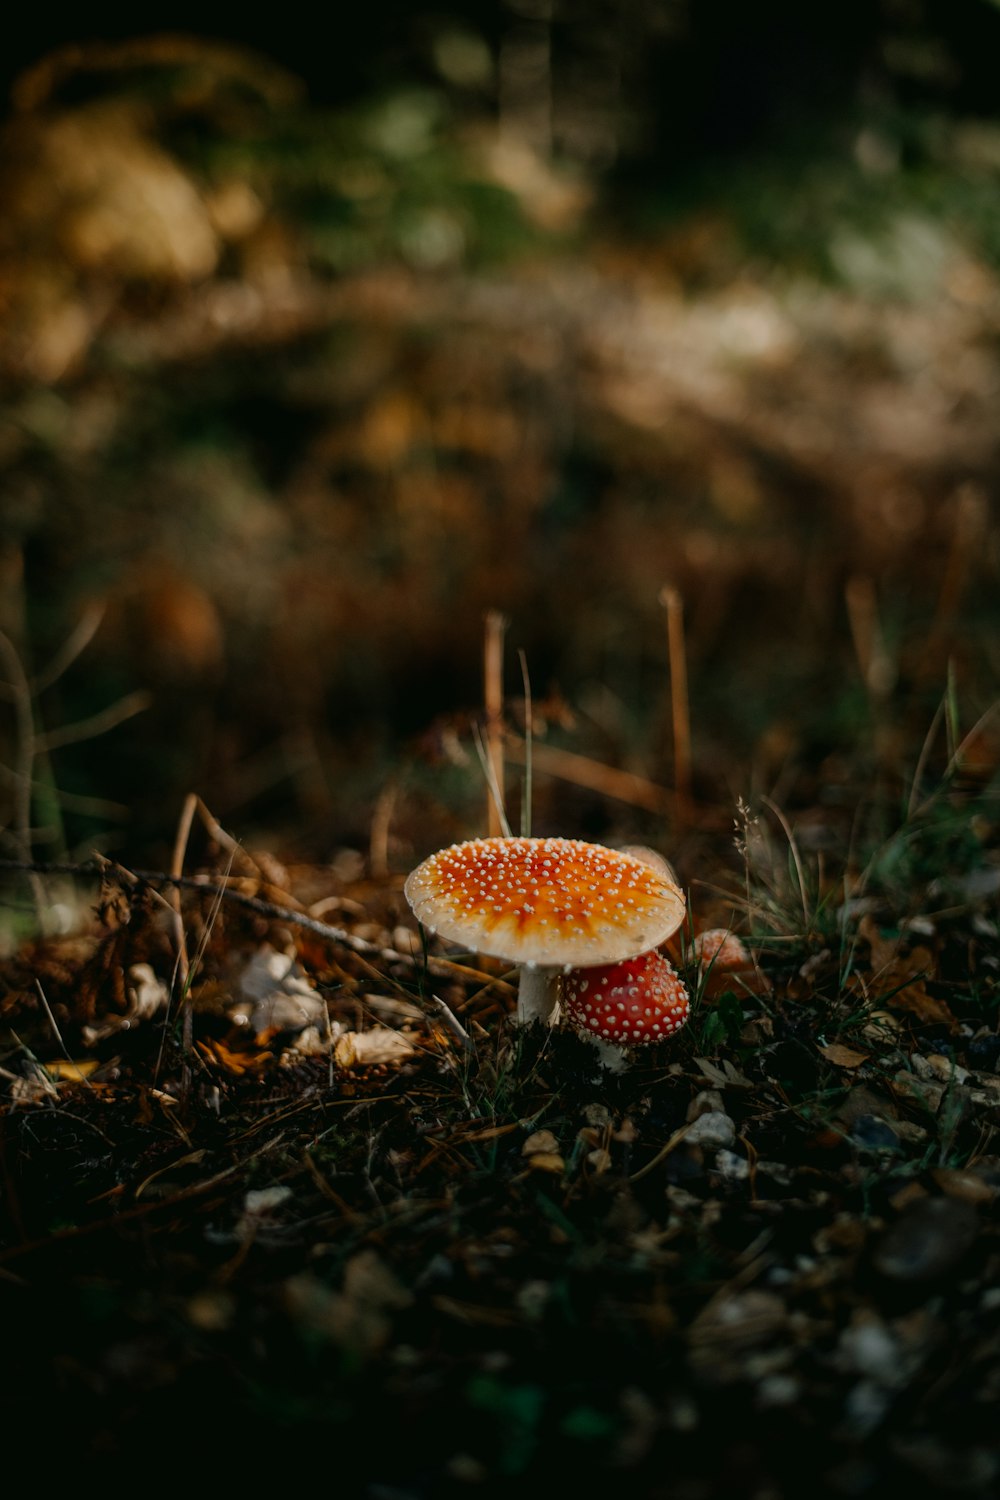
{"type": "Point", "coordinates": [628, 1004]}
{"type": "Point", "coordinates": [726, 963]}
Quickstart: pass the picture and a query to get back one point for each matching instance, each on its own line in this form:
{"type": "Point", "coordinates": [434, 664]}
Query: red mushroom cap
{"type": "Point", "coordinates": [634, 1002]}
{"type": "Point", "coordinates": [558, 903]}
{"type": "Point", "coordinates": [721, 947]}
{"type": "Point", "coordinates": [726, 964]}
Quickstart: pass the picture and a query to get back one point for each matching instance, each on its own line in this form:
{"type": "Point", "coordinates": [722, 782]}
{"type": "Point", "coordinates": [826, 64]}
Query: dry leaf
{"type": "Point", "coordinates": [277, 996]}
{"type": "Point", "coordinates": [147, 994]}
{"type": "Point", "coordinates": [358, 1049]}
{"type": "Point", "coordinates": [540, 1140]}
{"type": "Point", "coordinates": [71, 1072]}
{"type": "Point", "coordinates": [844, 1057]}
{"type": "Point", "coordinates": [898, 979]}
{"type": "Point", "coordinates": [357, 1319]}
{"type": "Point", "coordinates": [547, 1161]}
{"type": "Point", "coordinates": [236, 1063]}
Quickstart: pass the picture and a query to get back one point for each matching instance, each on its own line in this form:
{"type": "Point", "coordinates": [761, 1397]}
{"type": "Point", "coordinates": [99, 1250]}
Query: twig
{"type": "Point", "coordinates": [443, 967]}
{"type": "Point", "coordinates": [496, 626]}
{"type": "Point", "coordinates": [177, 869]}
{"type": "Point", "coordinates": [528, 737]}
{"type": "Point", "coordinates": [496, 796]}
{"type": "Point", "coordinates": [794, 848]}
{"type": "Point", "coordinates": [25, 747]}
{"type": "Point", "coordinates": [57, 1033]}
{"type": "Point", "coordinates": [97, 724]}
{"type": "Point", "coordinates": [663, 1153]}
{"type": "Point", "coordinates": [454, 1025]}
{"type": "Point", "coordinates": [623, 786]}
{"type": "Point", "coordinates": [922, 759]}
{"type": "Point", "coordinates": [877, 671]}
{"type": "Point", "coordinates": [378, 834]}
{"type": "Point", "coordinates": [971, 516]}
{"type": "Point", "coordinates": [72, 801]}
{"type": "Point", "coordinates": [680, 711]}
{"type": "Point", "coordinates": [73, 646]}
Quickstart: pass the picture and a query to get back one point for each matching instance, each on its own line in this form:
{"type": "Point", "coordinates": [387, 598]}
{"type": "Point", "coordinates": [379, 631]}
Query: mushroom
{"type": "Point", "coordinates": [628, 1004]}
{"type": "Point", "coordinates": [547, 904]}
{"type": "Point", "coordinates": [726, 964]}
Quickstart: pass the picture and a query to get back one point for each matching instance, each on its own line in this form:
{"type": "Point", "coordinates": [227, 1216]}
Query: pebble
{"type": "Point", "coordinates": [709, 1101]}
{"type": "Point", "coordinates": [866, 1406]}
{"type": "Point", "coordinates": [868, 1348]}
{"type": "Point", "coordinates": [778, 1390]}
{"type": "Point", "coordinates": [872, 1133]}
{"type": "Point", "coordinates": [712, 1129]}
{"type": "Point", "coordinates": [983, 1051]}
{"type": "Point", "coordinates": [731, 1166]}
{"type": "Point", "coordinates": [968, 1185]}
{"type": "Point", "coordinates": [943, 1068]}
{"type": "Point", "coordinates": [954, 1469]}
{"type": "Point", "coordinates": [928, 1239]}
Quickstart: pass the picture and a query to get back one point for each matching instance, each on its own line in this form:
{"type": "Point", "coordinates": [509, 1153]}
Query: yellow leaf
{"type": "Point", "coordinates": [547, 1161]}
{"type": "Point", "coordinates": [71, 1072]}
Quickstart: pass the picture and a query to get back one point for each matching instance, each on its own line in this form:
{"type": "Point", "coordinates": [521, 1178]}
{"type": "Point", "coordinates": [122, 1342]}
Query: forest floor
{"type": "Point", "coordinates": [324, 1197]}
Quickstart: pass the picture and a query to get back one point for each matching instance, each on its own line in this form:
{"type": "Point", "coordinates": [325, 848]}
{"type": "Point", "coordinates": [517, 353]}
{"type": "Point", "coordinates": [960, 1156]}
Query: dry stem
{"type": "Point", "coordinates": [680, 711]}
{"type": "Point", "coordinates": [496, 625]}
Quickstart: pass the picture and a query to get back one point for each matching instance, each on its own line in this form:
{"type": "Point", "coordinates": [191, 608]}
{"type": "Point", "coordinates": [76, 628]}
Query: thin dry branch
{"type": "Point", "coordinates": [25, 749]}
{"type": "Point", "coordinates": [443, 967]}
{"type": "Point", "coordinates": [680, 711]}
{"type": "Point", "coordinates": [97, 724]}
{"type": "Point", "coordinates": [496, 627]}
{"type": "Point", "coordinates": [623, 786]}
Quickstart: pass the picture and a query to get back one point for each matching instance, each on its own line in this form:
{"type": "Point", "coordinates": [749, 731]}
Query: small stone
{"type": "Point", "coordinates": [911, 1192]}
{"type": "Point", "coordinates": [984, 1050]}
{"type": "Point", "coordinates": [928, 1240]}
{"type": "Point", "coordinates": [778, 1390]}
{"type": "Point", "coordinates": [712, 1129]}
{"type": "Point", "coordinates": [866, 1406]}
{"type": "Point", "coordinates": [872, 1133]}
{"type": "Point", "coordinates": [704, 1103]}
{"type": "Point", "coordinates": [731, 1166]}
{"type": "Point", "coordinates": [965, 1470]}
{"type": "Point", "coordinates": [261, 1201]}
{"type": "Point", "coordinates": [868, 1348]}
{"type": "Point", "coordinates": [945, 1069]}
{"type": "Point", "coordinates": [968, 1185]}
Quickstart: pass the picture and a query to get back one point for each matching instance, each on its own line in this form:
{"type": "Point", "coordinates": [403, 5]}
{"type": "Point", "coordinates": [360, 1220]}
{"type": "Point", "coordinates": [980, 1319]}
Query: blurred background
{"type": "Point", "coordinates": [317, 347]}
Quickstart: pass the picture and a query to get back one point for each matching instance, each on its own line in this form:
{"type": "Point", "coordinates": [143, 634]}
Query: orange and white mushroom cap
{"type": "Point", "coordinates": [637, 1001]}
{"type": "Point", "coordinates": [554, 903]}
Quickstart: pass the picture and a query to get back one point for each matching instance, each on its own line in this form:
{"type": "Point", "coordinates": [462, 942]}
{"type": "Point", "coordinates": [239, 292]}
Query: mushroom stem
{"type": "Point", "coordinates": [537, 992]}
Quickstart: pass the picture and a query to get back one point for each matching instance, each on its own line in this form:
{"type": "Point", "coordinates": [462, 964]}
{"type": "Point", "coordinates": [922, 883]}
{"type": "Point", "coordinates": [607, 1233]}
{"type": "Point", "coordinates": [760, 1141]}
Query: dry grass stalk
{"type": "Point", "coordinates": [26, 748]}
{"type": "Point", "coordinates": [176, 870]}
{"type": "Point", "coordinates": [378, 834]}
{"type": "Point", "coordinates": [496, 626]}
{"type": "Point", "coordinates": [971, 519]}
{"type": "Point", "coordinates": [623, 786]}
{"type": "Point", "coordinates": [680, 711]}
{"type": "Point", "coordinates": [874, 662]}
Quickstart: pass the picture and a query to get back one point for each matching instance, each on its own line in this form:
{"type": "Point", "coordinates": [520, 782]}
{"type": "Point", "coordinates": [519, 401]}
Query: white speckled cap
{"type": "Point", "coordinates": [554, 902]}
